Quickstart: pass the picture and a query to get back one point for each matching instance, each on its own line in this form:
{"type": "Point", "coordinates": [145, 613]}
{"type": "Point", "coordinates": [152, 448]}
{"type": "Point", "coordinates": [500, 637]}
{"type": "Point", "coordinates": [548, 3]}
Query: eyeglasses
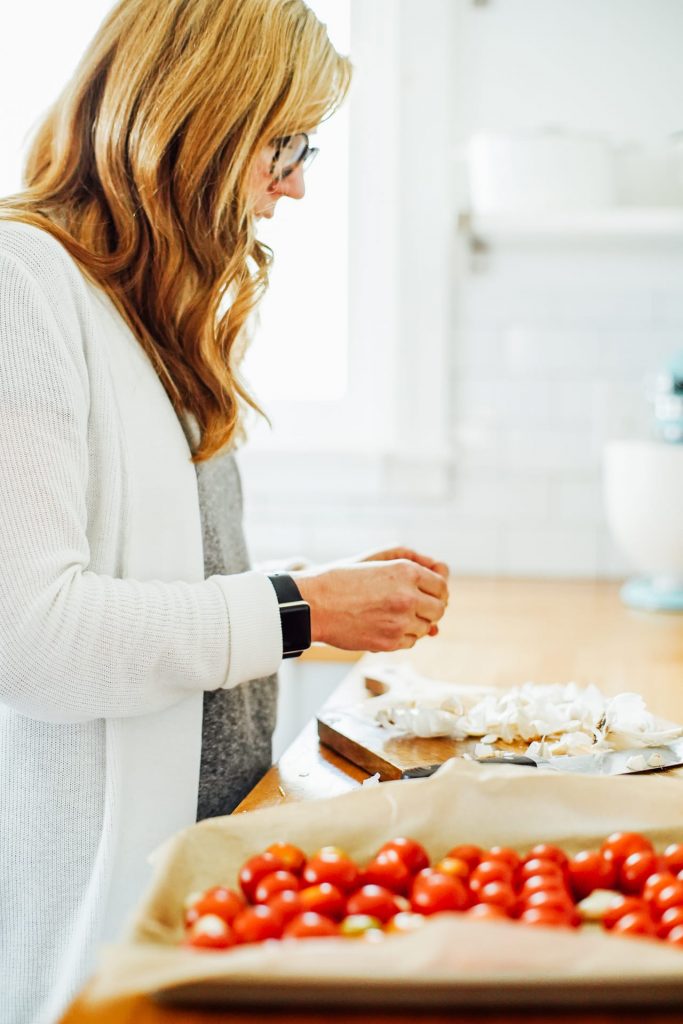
{"type": "Point", "coordinates": [290, 152]}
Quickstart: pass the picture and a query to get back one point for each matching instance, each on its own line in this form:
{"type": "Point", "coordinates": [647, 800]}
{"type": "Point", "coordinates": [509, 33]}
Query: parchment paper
{"type": "Point", "coordinates": [486, 805]}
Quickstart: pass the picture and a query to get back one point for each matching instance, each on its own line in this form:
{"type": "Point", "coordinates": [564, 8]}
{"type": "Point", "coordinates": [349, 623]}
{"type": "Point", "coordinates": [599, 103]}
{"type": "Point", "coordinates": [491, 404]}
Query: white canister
{"type": "Point", "coordinates": [539, 171]}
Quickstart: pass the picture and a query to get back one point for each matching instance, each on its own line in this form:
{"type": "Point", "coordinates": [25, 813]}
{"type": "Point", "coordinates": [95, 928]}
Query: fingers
{"type": "Point", "coordinates": [429, 608]}
{"type": "Point", "coordinates": [433, 583]}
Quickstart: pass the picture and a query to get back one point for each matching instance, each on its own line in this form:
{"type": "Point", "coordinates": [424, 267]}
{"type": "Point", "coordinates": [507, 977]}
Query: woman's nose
{"type": "Point", "coordinates": [293, 185]}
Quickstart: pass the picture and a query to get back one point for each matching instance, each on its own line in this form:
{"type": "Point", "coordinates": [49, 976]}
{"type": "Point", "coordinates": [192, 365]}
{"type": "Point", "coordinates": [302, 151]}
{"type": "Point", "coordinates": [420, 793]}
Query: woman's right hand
{"type": "Point", "coordinates": [373, 606]}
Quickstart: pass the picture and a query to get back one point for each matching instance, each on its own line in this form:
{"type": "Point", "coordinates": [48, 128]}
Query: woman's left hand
{"type": "Point", "coordinates": [389, 554]}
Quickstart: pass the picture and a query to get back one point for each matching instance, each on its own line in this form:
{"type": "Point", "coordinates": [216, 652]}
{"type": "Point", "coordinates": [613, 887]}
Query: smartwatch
{"type": "Point", "coordinates": [295, 615]}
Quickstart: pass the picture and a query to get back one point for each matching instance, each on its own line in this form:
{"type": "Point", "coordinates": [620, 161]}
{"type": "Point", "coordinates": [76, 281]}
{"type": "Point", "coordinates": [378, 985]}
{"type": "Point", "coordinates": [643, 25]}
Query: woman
{"type": "Point", "coordinates": [136, 648]}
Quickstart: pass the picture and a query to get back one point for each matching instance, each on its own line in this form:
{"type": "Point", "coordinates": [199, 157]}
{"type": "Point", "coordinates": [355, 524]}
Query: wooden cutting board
{"type": "Point", "coordinates": [373, 748]}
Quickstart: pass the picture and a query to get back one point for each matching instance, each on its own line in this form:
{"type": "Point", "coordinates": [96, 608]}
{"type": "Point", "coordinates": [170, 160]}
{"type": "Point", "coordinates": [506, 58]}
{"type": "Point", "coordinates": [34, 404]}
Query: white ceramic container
{"type": "Point", "coordinates": [643, 489]}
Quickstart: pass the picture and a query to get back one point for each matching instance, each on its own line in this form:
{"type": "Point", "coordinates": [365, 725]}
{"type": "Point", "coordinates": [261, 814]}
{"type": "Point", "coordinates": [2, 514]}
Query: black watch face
{"type": "Point", "coordinates": [296, 627]}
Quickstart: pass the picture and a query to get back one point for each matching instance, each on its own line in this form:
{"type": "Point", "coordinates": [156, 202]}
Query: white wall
{"type": "Point", "coordinates": [548, 341]}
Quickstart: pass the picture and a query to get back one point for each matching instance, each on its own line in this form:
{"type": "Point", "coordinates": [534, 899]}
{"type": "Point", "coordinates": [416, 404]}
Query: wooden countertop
{"type": "Point", "coordinates": [500, 633]}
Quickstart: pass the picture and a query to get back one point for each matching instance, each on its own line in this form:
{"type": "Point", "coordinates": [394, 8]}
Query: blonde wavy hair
{"type": "Point", "coordinates": [140, 170]}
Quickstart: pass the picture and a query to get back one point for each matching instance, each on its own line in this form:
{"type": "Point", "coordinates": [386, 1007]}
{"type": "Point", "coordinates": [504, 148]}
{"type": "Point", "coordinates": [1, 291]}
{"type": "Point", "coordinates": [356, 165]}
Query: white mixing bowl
{"type": "Point", "coordinates": [643, 487]}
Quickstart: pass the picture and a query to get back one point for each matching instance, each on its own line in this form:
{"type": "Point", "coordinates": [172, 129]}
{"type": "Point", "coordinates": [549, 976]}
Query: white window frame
{"type": "Point", "coordinates": [390, 432]}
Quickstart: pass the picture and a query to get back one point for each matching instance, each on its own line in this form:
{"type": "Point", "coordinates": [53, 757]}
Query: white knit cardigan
{"type": "Point", "coordinates": [109, 633]}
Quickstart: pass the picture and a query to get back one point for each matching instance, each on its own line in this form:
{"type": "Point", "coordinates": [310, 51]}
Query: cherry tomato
{"type": "Point", "coordinates": [277, 881]}
{"type": "Point", "coordinates": [375, 900]}
{"type": "Point", "coordinates": [488, 911]}
{"type": "Point", "coordinates": [324, 899]}
{"type": "Point", "coordinates": [538, 866]}
{"type": "Point", "coordinates": [222, 902]}
{"type": "Point", "coordinates": [210, 932]}
{"type": "Point", "coordinates": [544, 918]}
{"type": "Point", "coordinates": [589, 870]}
{"type": "Point", "coordinates": [359, 924]}
{"type": "Point", "coordinates": [551, 899]}
{"type": "Point", "coordinates": [504, 853]}
{"type": "Point", "coordinates": [620, 907]}
{"type": "Point", "coordinates": [673, 857]}
{"type": "Point", "coordinates": [387, 869]}
{"type": "Point", "coordinates": [255, 924]}
{"type": "Point", "coordinates": [671, 918]}
{"type": "Point", "coordinates": [471, 854]}
{"type": "Point", "coordinates": [293, 859]}
{"type": "Point", "coordinates": [543, 883]}
{"type": "Point", "coordinates": [676, 935]}
{"type": "Point", "coordinates": [669, 896]}
{"type": "Point", "coordinates": [634, 924]}
{"type": "Point", "coordinates": [412, 853]}
{"type": "Point", "coordinates": [455, 866]}
{"type": "Point", "coordinates": [406, 921]}
{"type": "Point", "coordinates": [256, 868]}
{"type": "Point", "coordinates": [655, 883]}
{"type": "Point", "coordinates": [621, 845]}
{"type": "Point", "coordinates": [499, 894]}
{"type": "Point", "coordinates": [310, 926]}
{"type": "Point", "coordinates": [433, 892]}
{"type": "Point", "coordinates": [545, 851]}
{"type": "Point", "coordinates": [332, 865]}
{"type": "Point", "coordinates": [287, 903]}
{"type": "Point", "coordinates": [490, 871]}
{"type": "Point", "coordinates": [636, 869]}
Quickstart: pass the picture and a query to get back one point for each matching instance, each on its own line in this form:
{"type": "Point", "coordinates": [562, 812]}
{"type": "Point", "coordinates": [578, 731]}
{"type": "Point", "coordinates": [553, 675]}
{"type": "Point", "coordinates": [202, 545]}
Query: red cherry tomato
{"type": "Point", "coordinates": [310, 926]}
{"type": "Point", "coordinates": [222, 902]}
{"type": "Point", "coordinates": [412, 853]}
{"type": "Point", "coordinates": [669, 896]}
{"type": "Point", "coordinates": [455, 866]}
{"type": "Point", "coordinates": [332, 865]}
{"type": "Point", "coordinates": [634, 924]}
{"type": "Point", "coordinates": [675, 936]}
{"type": "Point", "coordinates": [376, 901]}
{"type": "Point", "coordinates": [545, 918]}
{"type": "Point", "coordinates": [210, 932]}
{"type": "Point", "coordinates": [277, 881]}
{"type": "Point", "coordinates": [504, 853]}
{"type": "Point", "coordinates": [255, 924]}
{"type": "Point", "coordinates": [545, 851]}
{"type": "Point", "coordinates": [324, 899]}
{"type": "Point", "coordinates": [620, 907]}
{"type": "Point", "coordinates": [671, 918]}
{"type": "Point", "coordinates": [538, 866]}
{"type": "Point", "coordinates": [256, 868]}
{"type": "Point", "coordinates": [287, 903]}
{"type": "Point", "coordinates": [293, 859]}
{"type": "Point", "coordinates": [543, 883]}
{"type": "Point", "coordinates": [406, 921]}
{"type": "Point", "coordinates": [470, 854]}
{"type": "Point", "coordinates": [636, 869]}
{"type": "Point", "coordinates": [551, 899]}
{"type": "Point", "coordinates": [488, 911]}
{"type": "Point", "coordinates": [499, 894]}
{"type": "Point", "coordinates": [673, 857]}
{"type": "Point", "coordinates": [655, 883]}
{"type": "Point", "coordinates": [490, 871]}
{"type": "Point", "coordinates": [589, 870]}
{"type": "Point", "coordinates": [433, 892]}
{"type": "Point", "coordinates": [387, 869]}
{"type": "Point", "coordinates": [621, 845]}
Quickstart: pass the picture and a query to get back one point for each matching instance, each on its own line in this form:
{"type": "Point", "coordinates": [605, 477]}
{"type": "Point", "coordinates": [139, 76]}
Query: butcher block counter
{"type": "Point", "coordinates": [495, 633]}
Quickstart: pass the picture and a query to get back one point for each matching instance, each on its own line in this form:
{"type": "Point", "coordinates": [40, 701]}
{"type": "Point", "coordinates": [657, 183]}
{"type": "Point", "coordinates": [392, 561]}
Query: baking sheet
{"type": "Point", "coordinates": [453, 960]}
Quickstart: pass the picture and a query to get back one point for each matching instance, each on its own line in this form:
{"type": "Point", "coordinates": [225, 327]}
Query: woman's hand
{"type": "Point", "coordinates": [382, 602]}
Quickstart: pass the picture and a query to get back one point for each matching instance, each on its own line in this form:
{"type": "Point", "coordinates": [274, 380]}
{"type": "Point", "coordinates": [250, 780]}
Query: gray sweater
{"type": "Point", "coordinates": [238, 723]}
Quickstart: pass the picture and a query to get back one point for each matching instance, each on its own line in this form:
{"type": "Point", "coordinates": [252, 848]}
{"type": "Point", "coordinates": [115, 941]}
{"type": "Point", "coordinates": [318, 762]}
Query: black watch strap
{"type": "Point", "coordinates": [295, 615]}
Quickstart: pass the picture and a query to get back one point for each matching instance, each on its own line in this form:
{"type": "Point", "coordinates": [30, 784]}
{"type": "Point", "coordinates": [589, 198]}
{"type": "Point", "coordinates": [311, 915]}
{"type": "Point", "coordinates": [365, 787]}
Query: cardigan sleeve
{"type": "Point", "coordinates": [74, 644]}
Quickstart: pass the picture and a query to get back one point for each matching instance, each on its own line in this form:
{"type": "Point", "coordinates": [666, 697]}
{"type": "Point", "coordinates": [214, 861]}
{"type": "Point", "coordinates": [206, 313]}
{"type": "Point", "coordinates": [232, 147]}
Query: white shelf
{"type": "Point", "coordinates": [618, 222]}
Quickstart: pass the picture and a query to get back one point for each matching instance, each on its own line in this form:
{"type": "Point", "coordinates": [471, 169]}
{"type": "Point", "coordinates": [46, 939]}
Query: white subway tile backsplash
{"type": "Point", "coordinates": [668, 305]}
{"type": "Point", "coordinates": [576, 499]}
{"type": "Point", "coordinates": [552, 451]}
{"type": "Point", "coordinates": [553, 551]}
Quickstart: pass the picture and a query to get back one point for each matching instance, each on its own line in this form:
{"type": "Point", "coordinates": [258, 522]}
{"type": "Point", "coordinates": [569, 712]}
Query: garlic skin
{"type": "Point", "coordinates": [552, 719]}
